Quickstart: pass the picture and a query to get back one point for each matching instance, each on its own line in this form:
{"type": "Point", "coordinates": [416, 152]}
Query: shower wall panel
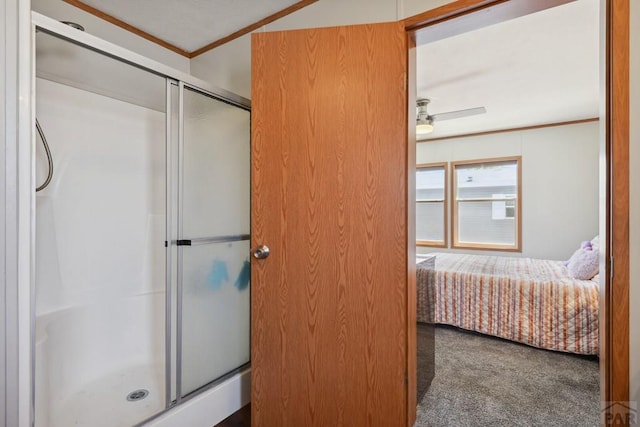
{"type": "Point", "coordinates": [100, 270]}
{"type": "Point", "coordinates": [101, 222]}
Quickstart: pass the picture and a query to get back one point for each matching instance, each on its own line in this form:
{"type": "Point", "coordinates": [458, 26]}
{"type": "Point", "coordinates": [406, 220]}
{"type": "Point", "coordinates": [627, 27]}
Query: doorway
{"type": "Point", "coordinates": [614, 374]}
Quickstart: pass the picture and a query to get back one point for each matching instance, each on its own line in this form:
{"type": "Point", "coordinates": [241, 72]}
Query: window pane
{"type": "Point", "coordinates": [480, 222]}
{"type": "Point", "coordinates": [493, 179]}
{"type": "Point", "coordinates": [430, 183]}
{"type": "Point", "coordinates": [430, 221]}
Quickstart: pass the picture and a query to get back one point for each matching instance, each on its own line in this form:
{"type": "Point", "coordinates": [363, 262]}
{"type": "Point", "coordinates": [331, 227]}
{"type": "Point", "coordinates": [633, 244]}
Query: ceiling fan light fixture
{"type": "Point", "coordinates": [424, 123]}
{"type": "Point", "coordinates": [424, 128]}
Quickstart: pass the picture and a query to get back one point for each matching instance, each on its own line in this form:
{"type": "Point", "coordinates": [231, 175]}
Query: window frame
{"type": "Point", "coordinates": [444, 243]}
{"type": "Point", "coordinates": [517, 246]}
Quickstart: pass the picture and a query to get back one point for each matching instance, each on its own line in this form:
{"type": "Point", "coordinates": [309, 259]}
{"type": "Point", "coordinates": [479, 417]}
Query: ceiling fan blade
{"type": "Point", "coordinates": [458, 114]}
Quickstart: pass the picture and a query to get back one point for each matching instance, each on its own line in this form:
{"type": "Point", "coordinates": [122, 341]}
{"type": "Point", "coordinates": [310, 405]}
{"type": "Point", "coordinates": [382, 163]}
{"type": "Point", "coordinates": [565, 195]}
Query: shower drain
{"type": "Point", "coordinates": [136, 395]}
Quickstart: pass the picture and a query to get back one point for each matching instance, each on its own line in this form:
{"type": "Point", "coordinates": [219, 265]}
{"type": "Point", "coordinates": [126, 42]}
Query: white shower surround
{"type": "Point", "coordinates": [70, 391]}
{"type": "Point", "coordinates": [83, 379]}
{"type": "Point", "coordinates": [100, 288]}
{"type": "Point", "coordinates": [100, 281]}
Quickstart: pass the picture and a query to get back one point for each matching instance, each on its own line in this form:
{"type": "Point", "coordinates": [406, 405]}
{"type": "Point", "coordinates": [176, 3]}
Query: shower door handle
{"type": "Point", "coordinates": [261, 252]}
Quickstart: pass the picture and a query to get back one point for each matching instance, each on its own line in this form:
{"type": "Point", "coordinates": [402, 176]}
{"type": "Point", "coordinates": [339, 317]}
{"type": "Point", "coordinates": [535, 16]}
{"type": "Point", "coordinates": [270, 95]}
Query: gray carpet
{"type": "Point", "coordinates": [485, 381]}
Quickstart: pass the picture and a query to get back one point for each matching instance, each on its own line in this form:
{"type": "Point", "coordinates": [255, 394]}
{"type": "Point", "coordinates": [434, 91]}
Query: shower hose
{"type": "Point", "coordinates": [49, 158]}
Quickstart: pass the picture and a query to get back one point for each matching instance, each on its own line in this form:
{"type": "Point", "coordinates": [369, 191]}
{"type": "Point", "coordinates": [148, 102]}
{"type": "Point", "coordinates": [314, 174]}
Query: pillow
{"type": "Point", "coordinates": [595, 242]}
{"type": "Point", "coordinates": [587, 244]}
{"type": "Point", "coordinates": [584, 264]}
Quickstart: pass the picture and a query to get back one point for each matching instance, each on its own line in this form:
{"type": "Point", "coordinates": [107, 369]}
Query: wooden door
{"type": "Point", "coordinates": [332, 324]}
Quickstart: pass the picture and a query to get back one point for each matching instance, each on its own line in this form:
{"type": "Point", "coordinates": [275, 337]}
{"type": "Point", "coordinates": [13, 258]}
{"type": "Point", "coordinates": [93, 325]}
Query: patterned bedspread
{"type": "Point", "coordinates": [527, 300]}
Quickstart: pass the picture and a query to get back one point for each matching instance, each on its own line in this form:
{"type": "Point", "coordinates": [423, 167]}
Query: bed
{"type": "Point", "coordinates": [527, 300]}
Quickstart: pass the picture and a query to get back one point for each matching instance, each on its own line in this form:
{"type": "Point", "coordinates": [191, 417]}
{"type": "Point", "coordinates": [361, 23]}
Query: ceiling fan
{"type": "Point", "coordinates": [425, 121]}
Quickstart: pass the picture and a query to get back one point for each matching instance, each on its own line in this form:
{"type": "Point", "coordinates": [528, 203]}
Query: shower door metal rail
{"type": "Point", "coordinates": [171, 196]}
{"type": "Point", "coordinates": [218, 239]}
{"type": "Point", "coordinates": [58, 29]}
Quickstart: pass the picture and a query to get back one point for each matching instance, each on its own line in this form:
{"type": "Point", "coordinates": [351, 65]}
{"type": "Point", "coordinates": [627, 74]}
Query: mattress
{"type": "Point", "coordinates": [527, 300]}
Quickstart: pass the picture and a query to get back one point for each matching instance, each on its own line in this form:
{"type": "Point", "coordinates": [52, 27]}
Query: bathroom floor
{"type": "Point", "coordinates": [241, 418]}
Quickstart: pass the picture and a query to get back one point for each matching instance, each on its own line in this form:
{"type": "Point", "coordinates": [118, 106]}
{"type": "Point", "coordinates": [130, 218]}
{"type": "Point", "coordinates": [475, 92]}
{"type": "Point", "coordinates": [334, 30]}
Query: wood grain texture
{"type": "Point", "coordinates": [329, 197]}
{"type": "Point", "coordinates": [461, 16]}
{"type": "Point", "coordinates": [617, 300]}
{"type": "Point", "coordinates": [137, 31]}
{"type": "Point", "coordinates": [448, 11]}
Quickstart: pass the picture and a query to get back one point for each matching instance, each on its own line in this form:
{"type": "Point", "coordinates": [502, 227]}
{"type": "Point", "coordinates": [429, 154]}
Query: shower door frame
{"type": "Point", "coordinates": [173, 181]}
{"type": "Point", "coordinates": [176, 148]}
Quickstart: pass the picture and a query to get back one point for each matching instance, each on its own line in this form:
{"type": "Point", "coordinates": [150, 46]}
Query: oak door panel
{"type": "Point", "coordinates": [329, 198]}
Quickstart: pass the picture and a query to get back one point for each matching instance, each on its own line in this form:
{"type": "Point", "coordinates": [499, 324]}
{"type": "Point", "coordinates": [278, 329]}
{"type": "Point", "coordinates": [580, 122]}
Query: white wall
{"type": "Point", "coordinates": [57, 9]}
{"type": "Point", "coordinates": [227, 66]}
{"type": "Point", "coordinates": [634, 233]}
{"type": "Point", "coordinates": [559, 183]}
{"type": "Point", "coordinates": [15, 205]}
{"type": "Point", "coordinates": [414, 7]}
{"type": "Point", "coordinates": [22, 234]}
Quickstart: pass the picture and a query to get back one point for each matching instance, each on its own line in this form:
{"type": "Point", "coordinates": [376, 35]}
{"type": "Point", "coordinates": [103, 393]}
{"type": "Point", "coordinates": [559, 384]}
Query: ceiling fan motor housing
{"type": "Point", "coordinates": [422, 114]}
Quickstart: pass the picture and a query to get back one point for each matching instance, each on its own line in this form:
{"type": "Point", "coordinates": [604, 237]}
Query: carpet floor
{"type": "Point", "coordinates": [486, 381]}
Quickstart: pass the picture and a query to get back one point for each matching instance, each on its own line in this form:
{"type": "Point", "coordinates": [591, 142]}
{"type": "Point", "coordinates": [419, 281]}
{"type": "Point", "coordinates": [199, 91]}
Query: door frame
{"type": "Point", "coordinates": [614, 162]}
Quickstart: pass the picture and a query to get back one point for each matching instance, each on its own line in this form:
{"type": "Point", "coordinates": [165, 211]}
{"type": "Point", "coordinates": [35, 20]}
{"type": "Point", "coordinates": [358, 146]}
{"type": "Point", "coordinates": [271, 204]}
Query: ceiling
{"type": "Point", "coordinates": [190, 27]}
{"type": "Point", "coordinates": [537, 69]}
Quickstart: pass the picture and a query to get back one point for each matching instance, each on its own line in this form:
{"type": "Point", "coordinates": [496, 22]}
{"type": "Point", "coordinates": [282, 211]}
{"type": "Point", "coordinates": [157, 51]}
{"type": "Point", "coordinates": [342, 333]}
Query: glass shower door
{"type": "Point", "coordinates": [213, 240]}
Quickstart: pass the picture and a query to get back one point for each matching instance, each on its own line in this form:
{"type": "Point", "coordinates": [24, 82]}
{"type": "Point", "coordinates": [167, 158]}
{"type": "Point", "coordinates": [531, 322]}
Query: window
{"type": "Point", "coordinates": [504, 208]}
{"type": "Point", "coordinates": [431, 205]}
{"type": "Point", "coordinates": [486, 204]}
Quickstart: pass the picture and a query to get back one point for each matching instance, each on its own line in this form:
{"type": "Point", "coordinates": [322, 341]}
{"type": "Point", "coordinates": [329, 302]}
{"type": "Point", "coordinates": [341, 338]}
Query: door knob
{"type": "Point", "coordinates": [261, 252]}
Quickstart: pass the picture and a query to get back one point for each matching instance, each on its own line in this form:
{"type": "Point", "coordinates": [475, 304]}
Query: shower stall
{"type": "Point", "coordinates": [142, 293]}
